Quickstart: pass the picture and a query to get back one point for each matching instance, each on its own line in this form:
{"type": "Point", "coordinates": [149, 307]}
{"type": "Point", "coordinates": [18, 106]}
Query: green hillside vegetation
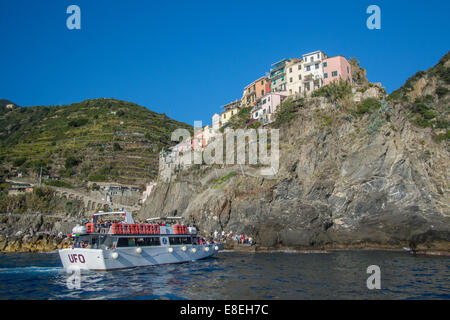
{"type": "Point", "coordinates": [431, 107]}
{"type": "Point", "coordinates": [94, 140]}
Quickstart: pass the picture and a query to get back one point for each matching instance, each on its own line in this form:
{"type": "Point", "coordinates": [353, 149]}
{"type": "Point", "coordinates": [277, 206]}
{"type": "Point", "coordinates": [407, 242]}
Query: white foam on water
{"type": "Point", "coordinates": [32, 269]}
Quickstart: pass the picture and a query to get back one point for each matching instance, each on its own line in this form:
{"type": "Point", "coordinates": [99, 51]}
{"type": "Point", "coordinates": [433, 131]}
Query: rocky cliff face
{"type": "Point", "coordinates": [364, 171]}
{"type": "Point", "coordinates": [347, 179]}
{"type": "Point", "coordinates": [33, 232]}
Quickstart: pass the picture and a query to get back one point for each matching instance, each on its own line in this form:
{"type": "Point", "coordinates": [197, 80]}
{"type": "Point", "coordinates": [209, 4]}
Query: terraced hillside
{"type": "Point", "coordinates": [94, 140]}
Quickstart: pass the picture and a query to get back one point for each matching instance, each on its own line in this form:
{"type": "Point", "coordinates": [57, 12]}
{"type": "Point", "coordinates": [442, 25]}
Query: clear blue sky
{"type": "Point", "coordinates": [188, 58]}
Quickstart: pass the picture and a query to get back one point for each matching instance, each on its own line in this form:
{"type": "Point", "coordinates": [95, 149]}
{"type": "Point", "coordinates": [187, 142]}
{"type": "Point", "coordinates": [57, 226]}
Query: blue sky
{"type": "Point", "coordinates": [189, 58]}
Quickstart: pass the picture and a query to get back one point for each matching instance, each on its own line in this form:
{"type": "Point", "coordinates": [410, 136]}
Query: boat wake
{"type": "Point", "coordinates": [32, 269]}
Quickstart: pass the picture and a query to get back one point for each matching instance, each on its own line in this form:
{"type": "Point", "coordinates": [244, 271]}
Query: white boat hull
{"type": "Point", "coordinates": [131, 257]}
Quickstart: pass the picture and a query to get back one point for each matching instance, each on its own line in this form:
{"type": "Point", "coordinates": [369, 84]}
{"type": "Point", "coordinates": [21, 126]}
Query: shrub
{"type": "Point", "coordinates": [19, 161]}
{"type": "Point", "coordinates": [240, 119]}
{"type": "Point", "coordinates": [98, 177]}
{"type": "Point", "coordinates": [441, 137]}
{"type": "Point", "coordinates": [368, 105]}
{"type": "Point", "coordinates": [58, 184]}
{"type": "Point", "coordinates": [255, 125]}
{"type": "Point", "coordinates": [72, 162]}
{"type": "Point", "coordinates": [117, 147]}
{"type": "Point", "coordinates": [441, 91]}
{"type": "Point", "coordinates": [225, 178]}
{"type": "Point", "coordinates": [334, 91]}
{"type": "Point", "coordinates": [285, 112]}
{"type": "Point", "coordinates": [77, 122]}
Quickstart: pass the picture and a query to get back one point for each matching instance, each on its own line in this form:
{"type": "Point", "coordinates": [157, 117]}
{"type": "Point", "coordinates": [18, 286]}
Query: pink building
{"type": "Point", "coordinates": [336, 68]}
{"type": "Point", "coordinates": [266, 108]}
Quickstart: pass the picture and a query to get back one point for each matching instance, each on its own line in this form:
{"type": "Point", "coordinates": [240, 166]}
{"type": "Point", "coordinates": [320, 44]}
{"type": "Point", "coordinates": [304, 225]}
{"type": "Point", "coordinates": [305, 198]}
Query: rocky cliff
{"type": "Point", "coordinates": [358, 169]}
{"type": "Point", "coordinates": [351, 175]}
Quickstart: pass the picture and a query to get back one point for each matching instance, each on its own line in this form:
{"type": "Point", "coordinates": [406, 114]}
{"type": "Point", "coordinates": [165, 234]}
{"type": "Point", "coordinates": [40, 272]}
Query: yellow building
{"type": "Point", "coordinates": [230, 110]}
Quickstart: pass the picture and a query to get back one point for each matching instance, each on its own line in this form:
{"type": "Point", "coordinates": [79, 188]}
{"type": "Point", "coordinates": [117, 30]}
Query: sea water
{"type": "Point", "coordinates": [234, 275]}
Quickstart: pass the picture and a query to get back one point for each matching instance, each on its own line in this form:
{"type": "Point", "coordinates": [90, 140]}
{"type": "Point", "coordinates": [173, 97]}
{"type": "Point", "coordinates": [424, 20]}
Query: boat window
{"type": "Point", "coordinates": [140, 242]}
{"type": "Point", "coordinates": [106, 241]}
{"type": "Point", "coordinates": [126, 242]}
{"type": "Point", "coordinates": [153, 241]}
{"type": "Point", "coordinates": [174, 240]}
{"type": "Point", "coordinates": [179, 240]}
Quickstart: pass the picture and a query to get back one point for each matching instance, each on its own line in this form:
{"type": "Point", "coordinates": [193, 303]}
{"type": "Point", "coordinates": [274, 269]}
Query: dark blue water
{"type": "Point", "coordinates": [232, 275]}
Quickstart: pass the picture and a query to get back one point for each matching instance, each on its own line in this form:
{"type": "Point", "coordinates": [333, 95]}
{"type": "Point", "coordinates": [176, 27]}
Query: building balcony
{"type": "Point", "coordinates": [310, 63]}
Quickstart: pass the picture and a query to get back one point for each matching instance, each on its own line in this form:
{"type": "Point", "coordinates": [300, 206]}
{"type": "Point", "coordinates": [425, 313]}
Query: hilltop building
{"type": "Point", "coordinates": [335, 68]}
{"type": "Point", "coordinates": [278, 75]}
{"type": "Point", "coordinates": [255, 90]}
{"type": "Point", "coordinates": [230, 110]}
{"type": "Point", "coordinates": [216, 121]}
{"type": "Point", "coordinates": [294, 75]}
{"type": "Point", "coordinates": [264, 111]}
{"type": "Point", "coordinates": [288, 77]}
{"type": "Point", "coordinates": [313, 71]}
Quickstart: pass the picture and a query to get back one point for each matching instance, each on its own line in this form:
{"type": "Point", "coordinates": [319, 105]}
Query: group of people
{"type": "Point", "coordinates": [102, 225]}
{"type": "Point", "coordinates": [239, 238]}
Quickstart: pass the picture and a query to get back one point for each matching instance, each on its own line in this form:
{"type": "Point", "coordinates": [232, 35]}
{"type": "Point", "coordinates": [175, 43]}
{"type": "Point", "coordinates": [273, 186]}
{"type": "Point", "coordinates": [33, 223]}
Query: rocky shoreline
{"type": "Point", "coordinates": [37, 243]}
{"type": "Point", "coordinates": [44, 243]}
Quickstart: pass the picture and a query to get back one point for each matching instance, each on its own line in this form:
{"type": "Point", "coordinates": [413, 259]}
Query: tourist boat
{"type": "Point", "coordinates": [112, 240]}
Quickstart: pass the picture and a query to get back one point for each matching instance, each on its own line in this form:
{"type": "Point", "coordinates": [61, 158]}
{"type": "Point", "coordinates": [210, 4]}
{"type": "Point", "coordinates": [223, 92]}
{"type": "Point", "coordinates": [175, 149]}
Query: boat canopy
{"type": "Point", "coordinates": [165, 218]}
{"type": "Point", "coordinates": [128, 217]}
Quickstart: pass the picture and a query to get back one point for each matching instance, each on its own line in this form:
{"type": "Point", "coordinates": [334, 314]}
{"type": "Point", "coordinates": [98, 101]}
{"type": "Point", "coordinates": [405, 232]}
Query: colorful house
{"type": "Point", "coordinates": [278, 75]}
{"type": "Point", "coordinates": [266, 108]}
{"type": "Point", "coordinates": [313, 71]}
{"type": "Point", "coordinates": [255, 90]}
{"type": "Point", "coordinates": [335, 68]}
{"type": "Point", "coordinates": [230, 110]}
{"type": "Point", "coordinates": [294, 72]}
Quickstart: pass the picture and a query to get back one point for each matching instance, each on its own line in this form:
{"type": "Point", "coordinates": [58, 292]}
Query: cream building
{"type": "Point", "coordinates": [216, 121]}
{"type": "Point", "coordinates": [312, 76]}
{"type": "Point", "coordinates": [230, 110]}
{"type": "Point", "coordinates": [294, 74]}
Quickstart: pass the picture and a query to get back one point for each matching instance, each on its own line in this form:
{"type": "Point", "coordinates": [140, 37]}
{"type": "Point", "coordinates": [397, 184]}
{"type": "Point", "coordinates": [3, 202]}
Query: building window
{"type": "Point", "coordinates": [308, 68]}
{"type": "Point", "coordinates": [299, 67]}
{"type": "Point", "coordinates": [262, 92]}
{"type": "Point", "coordinates": [262, 82]}
{"type": "Point", "coordinates": [334, 74]}
{"type": "Point", "coordinates": [318, 56]}
{"type": "Point", "coordinates": [312, 59]}
{"type": "Point", "coordinates": [325, 75]}
{"type": "Point", "coordinates": [290, 79]}
{"type": "Point", "coordinates": [274, 81]}
{"type": "Point", "coordinates": [282, 78]}
{"type": "Point", "coordinates": [306, 59]}
{"type": "Point", "coordinates": [268, 99]}
{"type": "Point", "coordinates": [317, 66]}
{"type": "Point", "coordinates": [299, 77]}
{"type": "Point", "coordinates": [324, 64]}
{"type": "Point", "coordinates": [290, 70]}
{"type": "Point", "coordinates": [348, 71]}
{"type": "Point", "coordinates": [254, 87]}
